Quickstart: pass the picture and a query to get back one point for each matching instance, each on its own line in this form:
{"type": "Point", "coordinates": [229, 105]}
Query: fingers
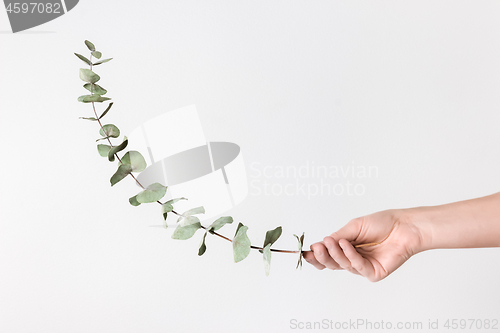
{"type": "Point", "coordinates": [323, 257]}
{"type": "Point", "coordinates": [336, 254]}
{"type": "Point", "coordinates": [309, 257]}
{"type": "Point", "coordinates": [328, 254]}
{"type": "Point", "coordinates": [357, 262]}
{"type": "Point", "coordinates": [339, 255]}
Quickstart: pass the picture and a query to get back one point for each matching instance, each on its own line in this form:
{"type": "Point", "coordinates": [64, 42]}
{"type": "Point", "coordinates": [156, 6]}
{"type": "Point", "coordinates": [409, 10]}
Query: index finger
{"type": "Point", "coordinates": [309, 257]}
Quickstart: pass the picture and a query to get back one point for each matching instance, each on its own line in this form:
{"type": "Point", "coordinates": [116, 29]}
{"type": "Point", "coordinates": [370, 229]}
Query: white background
{"type": "Point", "coordinates": [408, 86]}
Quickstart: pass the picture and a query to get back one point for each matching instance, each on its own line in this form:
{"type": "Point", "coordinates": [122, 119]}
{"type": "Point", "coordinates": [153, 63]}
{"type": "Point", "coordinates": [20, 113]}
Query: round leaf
{"type": "Point", "coordinates": [122, 172]}
{"type": "Point", "coordinates": [133, 201]}
{"type": "Point", "coordinates": [95, 88]}
{"type": "Point", "coordinates": [152, 193]}
{"type": "Point", "coordinates": [88, 76]}
{"type": "Point", "coordinates": [241, 243]}
{"type": "Point", "coordinates": [92, 98]}
{"type": "Point", "coordinates": [220, 222]}
{"type": "Point", "coordinates": [103, 150]}
{"type": "Point", "coordinates": [272, 236]}
{"type": "Point", "coordinates": [102, 99]}
{"type": "Point", "coordinates": [187, 228]}
{"type": "Point", "coordinates": [135, 160]}
{"type": "Point", "coordinates": [110, 130]}
{"type": "Point", "coordinates": [97, 54]}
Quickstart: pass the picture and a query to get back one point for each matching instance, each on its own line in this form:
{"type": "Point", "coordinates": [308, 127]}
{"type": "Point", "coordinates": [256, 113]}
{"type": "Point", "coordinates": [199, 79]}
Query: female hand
{"type": "Point", "coordinates": [397, 237]}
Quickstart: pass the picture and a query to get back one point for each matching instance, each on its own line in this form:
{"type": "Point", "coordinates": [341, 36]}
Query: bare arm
{"type": "Point", "coordinates": [464, 224]}
{"type": "Point", "coordinates": [401, 233]}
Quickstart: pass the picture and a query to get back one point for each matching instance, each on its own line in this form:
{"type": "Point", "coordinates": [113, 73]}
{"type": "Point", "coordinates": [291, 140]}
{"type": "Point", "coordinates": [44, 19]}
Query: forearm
{"type": "Point", "coordinates": [465, 224]}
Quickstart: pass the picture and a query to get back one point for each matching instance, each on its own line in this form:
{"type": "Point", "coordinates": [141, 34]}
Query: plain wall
{"type": "Point", "coordinates": [409, 88]}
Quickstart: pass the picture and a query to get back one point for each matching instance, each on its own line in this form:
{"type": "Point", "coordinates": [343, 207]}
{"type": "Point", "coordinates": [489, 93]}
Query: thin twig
{"type": "Point", "coordinates": [367, 244]}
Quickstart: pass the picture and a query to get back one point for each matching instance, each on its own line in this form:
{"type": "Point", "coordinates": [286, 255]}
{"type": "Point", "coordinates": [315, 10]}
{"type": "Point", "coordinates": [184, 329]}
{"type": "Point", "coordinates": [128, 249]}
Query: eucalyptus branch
{"type": "Point", "coordinates": [133, 161]}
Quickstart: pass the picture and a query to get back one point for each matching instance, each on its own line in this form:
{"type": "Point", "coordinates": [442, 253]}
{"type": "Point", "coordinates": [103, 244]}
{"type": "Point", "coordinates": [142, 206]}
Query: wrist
{"type": "Point", "coordinates": [420, 221]}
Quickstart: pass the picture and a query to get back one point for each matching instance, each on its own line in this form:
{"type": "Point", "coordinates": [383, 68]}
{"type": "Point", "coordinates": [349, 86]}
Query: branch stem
{"type": "Point", "coordinates": [203, 227]}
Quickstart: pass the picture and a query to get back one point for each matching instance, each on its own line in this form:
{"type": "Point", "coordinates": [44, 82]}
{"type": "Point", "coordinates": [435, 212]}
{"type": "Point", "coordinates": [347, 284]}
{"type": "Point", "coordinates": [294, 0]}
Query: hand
{"type": "Point", "coordinates": [398, 239]}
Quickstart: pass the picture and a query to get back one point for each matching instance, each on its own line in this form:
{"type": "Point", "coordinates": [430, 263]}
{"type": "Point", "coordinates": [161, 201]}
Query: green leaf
{"type": "Point", "coordinates": [81, 98]}
{"type": "Point", "coordinates": [187, 228]}
{"type": "Point", "coordinates": [123, 171]}
{"type": "Point", "coordinates": [92, 98]}
{"type": "Point", "coordinates": [84, 59]}
{"type": "Point", "coordinates": [165, 209]}
{"type": "Point", "coordinates": [185, 232]}
{"type": "Point", "coordinates": [241, 243]}
{"type": "Point", "coordinates": [103, 99]}
{"type": "Point", "coordinates": [194, 211]}
{"type": "Point", "coordinates": [301, 244]}
{"type": "Point", "coordinates": [133, 201]}
{"type": "Point", "coordinates": [103, 150]}
{"type": "Point", "coordinates": [188, 220]}
{"type": "Point", "coordinates": [272, 236]}
{"type": "Point", "coordinates": [102, 61]}
{"type": "Point", "coordinates": [90, 45]}
{"type": "Point", "coordinates": [110, 130]}
{"type": "Point", "coordinates": [203, 247]}
{"type": "Point", "coordinates": [88, 76]}
{"type": "Point", "coordinates": [88, 98]}
{"type": "Point", "coordinates": [152, 193]}
{"type": "Point", "coordinates": [91, 118]}
{"type": "Point", "coordinates": [135, 160]}
{"type": "Point", "coordinates": [95, 88]}
{"type": "Point", "coordinates": [238, 228]}
{"type": "Point", "coordinates": [267, 258]}
{"type": "Point", "coordinates": [172, 201]}
{"type": "Point", "coordinates": [97, 54]}
{"type": "Point", "coordinates": [106, 111]}
{"type": "Point", "coordinates": [219, 223]}
{"type": "Point", "coordinates": [116, 149]}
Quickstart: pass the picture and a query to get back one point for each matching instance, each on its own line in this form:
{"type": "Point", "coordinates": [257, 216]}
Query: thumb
{"type": "Point", "coordinates": [350, 231]}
